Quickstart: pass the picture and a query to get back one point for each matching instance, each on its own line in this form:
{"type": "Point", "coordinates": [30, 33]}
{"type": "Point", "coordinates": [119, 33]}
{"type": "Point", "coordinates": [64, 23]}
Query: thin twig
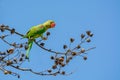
{"type": "Point", "coordinates": [15, 32]}
{"type": "Point", "coordinates": [49, 50]}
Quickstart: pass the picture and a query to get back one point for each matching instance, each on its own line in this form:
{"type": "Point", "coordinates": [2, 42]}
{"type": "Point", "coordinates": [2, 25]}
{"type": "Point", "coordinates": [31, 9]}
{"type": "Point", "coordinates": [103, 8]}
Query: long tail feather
{"type": "Point", "coordinates": [29, 48]}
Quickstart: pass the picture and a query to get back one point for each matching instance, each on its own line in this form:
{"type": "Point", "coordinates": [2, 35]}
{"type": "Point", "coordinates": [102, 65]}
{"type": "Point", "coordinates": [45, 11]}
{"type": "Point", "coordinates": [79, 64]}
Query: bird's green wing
{"type": "Point", "coordinates": [36, 31]}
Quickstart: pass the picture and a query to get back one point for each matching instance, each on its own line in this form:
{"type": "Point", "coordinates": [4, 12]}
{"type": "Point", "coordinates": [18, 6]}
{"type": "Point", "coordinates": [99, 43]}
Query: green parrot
{"type": "Point", "coordinates": [36, 32]}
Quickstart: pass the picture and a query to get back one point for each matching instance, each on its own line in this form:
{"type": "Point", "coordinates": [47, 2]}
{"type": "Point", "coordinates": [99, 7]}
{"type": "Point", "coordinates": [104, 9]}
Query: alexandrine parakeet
{"type": "Point", "coordinates": [37, 31]}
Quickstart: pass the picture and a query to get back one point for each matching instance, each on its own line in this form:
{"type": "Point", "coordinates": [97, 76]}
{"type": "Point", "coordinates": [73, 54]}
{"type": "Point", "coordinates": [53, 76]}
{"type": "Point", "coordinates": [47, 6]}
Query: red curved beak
{"type": "Point", "coordinates": [52, 25]}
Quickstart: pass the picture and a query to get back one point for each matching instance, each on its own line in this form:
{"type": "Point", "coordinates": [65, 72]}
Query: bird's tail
{"type": "Point", "coordinates": [30, 43]}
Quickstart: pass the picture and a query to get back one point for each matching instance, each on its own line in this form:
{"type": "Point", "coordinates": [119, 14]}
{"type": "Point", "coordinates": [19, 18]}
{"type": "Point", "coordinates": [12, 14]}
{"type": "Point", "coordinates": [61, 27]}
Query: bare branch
{"type": "Point", "coordinates": [15, 57]}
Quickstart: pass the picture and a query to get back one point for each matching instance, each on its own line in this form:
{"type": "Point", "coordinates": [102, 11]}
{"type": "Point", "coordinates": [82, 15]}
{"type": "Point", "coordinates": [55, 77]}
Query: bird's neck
{"type": "Point", "coordinates": [46, 26]}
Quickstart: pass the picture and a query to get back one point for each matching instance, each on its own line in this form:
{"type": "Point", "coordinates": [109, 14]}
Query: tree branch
{"type": "Point", "coordinates": [14, 57]}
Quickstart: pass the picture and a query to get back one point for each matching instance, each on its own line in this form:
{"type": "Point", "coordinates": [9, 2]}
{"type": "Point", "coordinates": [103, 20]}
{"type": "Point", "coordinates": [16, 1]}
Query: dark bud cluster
{"type": "Point", "coordinates": [7, 72]}
{"type": "Point", "coordinates": [89, 33]}
{"type": "Point", "coordinates": [9, 62]}
{"type": "Point", "coordinates": [49, 71]}
{"type": "Point", "coordinates": [82, 50]}
{"type": "Point", "coordinates": [72, 40]}
{"type": "Point", "coordinates": [10, 51]}
{"type": "Point", "coordinates": [64, 46]}
{"type": "Point", "coordinates": [58, 61]}
{"type": "Point", "coordinates": [48, 33]}
{"type": "Point", "coordinates": [63, 72]}
{"type": "Point", "coordinates": [42, 44]}
{"type": "Point", "coordinates": [52, 57]}
{"type": "Point", "coordinates": [54, 66]}
{"type": "Point", "coordinates": [2, 27]}
{"type": "Point", "coordinates": [2, 37]}
{"type": "Point", "coordinates": [15, 60]}
{"type": "Point", "coordinates": [85, 57]}
{"type": "Point", "coordinates": [78, 46]}
{"type": "Point", "coordinates": [74, 53]}
{"type": "Point", "coordinates": [82, 36]}
{"type": "Point", "coordinates": [13, 31]}
{"type": "Point", "coordinates": [21, 45]}
{"type": "Point", "coordinates": [26, 47]}
{"type": "Point", "coordinates": [2, 53]}
{"type": "Point", "coordinates": [88, 40]}
{"type": "Point", "coordinates": [21, 59]}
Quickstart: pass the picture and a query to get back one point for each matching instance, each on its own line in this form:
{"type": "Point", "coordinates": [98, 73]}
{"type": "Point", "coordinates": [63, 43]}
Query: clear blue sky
{"type": "Point", "coordinates": [72, 18]}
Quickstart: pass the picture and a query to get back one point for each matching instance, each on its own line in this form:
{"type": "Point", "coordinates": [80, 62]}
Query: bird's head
{"type": "Point", "coordinates": [49, 24]}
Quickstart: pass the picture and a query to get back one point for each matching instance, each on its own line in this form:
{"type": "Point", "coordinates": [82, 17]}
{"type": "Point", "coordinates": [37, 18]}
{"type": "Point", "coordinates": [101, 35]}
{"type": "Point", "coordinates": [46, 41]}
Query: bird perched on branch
{"type": "Point", "coordinates": [36, 32]}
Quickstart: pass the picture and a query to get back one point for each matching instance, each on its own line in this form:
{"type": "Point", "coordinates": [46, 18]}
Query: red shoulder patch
{"type": "Point", "coordinates": [41, 26]}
